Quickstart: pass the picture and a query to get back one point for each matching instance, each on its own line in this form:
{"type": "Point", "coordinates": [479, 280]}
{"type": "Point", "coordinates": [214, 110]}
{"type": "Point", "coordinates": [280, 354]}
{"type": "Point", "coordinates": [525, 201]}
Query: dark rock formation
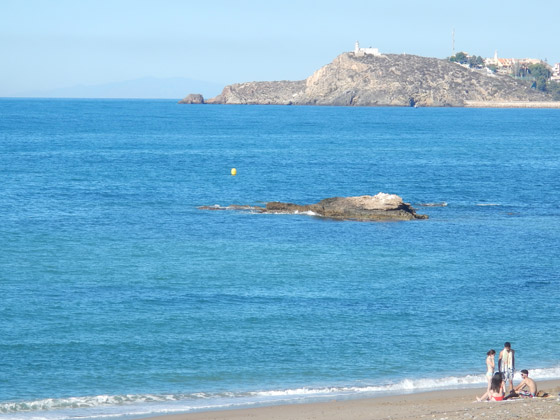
{"type": "Point", "coordinates": [386, 80]}
{"type": "Point", "coordinates": [193, 98]}
{"type": "Point", "coordinates": [381, 207]}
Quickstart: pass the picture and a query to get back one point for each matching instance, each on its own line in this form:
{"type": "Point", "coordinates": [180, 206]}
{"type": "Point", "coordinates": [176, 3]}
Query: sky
{"type": "Point", "coordinates": [50, 46]}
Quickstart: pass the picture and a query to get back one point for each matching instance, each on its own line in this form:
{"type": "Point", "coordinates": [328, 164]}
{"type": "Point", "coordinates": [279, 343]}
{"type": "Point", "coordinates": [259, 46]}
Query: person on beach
{"type": "Point", "coordinates": [527, 387]}
{"type": "Point", "coordinates": [506, 364]}
{"type": "Point", "coordinates": [490, 364]}
{"type": "Point", "coordinates": [496, 390]}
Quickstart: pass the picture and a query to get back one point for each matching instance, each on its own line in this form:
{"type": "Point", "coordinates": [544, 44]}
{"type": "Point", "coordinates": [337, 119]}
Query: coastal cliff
{"type": "Point", "coordinates": [385, 80]}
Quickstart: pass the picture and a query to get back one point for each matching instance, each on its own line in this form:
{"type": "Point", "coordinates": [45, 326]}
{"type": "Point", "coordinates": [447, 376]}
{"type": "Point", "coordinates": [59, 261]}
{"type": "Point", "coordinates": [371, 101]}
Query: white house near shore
{"type": "Point", "coordinates": [360, 52]}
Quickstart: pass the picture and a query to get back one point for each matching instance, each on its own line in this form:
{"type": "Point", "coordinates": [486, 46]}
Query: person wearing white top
{"type": "Point", "coordinates": [506, 364]}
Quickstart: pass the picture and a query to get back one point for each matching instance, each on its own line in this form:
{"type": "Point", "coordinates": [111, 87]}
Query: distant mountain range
{"type": "Point", "coordinates": [147, 87]}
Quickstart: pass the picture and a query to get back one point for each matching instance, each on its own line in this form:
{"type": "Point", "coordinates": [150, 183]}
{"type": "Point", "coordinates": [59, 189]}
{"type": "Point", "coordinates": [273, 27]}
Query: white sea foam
{"type": "Point", "coordinates": [440, 204]}
{"type": "Point", "coordinates": [111, 406]}
{"type": "Point", "coordinates": [307, 213]}
{"type": "Point", "coordinates": [406, 385]}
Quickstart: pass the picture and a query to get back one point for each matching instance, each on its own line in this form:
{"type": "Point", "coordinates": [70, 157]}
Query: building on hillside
{"type": "Point", "coordinates": [360, 52]}
{"type": "Point", "coordinates": [510, 66]}
{"type": "Point", "coordinates": [556, 72]}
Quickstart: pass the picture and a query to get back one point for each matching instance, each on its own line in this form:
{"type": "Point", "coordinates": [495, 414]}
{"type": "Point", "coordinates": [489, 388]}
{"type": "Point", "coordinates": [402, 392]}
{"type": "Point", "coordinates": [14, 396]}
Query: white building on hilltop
{"type": "Point", "coordinates": [556, 72]}
{"type": "Point", "coordinates": [507, 65]}
{"type": "Point", "coordinates": [360, 52]}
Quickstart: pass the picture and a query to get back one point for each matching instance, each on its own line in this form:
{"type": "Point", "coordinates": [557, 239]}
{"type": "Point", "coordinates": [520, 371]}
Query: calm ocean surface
{"type": "Point", "coordinates": [121, 298]}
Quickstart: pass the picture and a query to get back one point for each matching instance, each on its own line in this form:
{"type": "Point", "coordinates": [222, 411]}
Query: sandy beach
{"type": "Point", "coordinates": [519, 104]}
{"type": "Point", "coordinates": [448, 405]}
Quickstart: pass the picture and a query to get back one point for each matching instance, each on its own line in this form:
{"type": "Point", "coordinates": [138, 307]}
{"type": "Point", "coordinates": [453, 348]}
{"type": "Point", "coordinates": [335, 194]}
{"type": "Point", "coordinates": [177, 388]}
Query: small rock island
{"type": "Point", "coordinates": [381, 207]}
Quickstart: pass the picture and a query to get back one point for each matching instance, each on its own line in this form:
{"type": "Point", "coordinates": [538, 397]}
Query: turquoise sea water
{"type": "Point", "coordinates": [121, 298]}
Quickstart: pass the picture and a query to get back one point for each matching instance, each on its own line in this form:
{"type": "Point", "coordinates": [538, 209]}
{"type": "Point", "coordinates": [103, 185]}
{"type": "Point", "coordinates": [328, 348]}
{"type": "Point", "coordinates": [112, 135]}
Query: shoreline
{"type": "Point", "coordinates": [526, 104]}
{"type": "Point", "coordinates": [451, 404]}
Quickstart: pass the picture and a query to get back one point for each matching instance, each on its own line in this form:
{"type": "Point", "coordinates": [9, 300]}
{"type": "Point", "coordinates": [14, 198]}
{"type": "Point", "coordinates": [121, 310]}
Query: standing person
{"type": "Point", "coordinates": [506, 364]}
{"type": "Point", "coordinates": [490, 364]}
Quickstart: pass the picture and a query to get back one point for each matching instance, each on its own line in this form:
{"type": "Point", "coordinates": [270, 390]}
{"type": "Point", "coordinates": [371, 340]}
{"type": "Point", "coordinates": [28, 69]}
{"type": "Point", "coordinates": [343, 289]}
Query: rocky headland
{"type": "Point", "coordinates": [385, 80]}
{"type": "Point", "coordinates": [380, 207]}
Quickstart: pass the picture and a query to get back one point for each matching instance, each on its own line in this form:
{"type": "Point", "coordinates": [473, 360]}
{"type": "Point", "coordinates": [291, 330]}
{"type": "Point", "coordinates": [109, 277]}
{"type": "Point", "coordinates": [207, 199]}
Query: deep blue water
{"type": "Point", "coordinates": [120, 296]}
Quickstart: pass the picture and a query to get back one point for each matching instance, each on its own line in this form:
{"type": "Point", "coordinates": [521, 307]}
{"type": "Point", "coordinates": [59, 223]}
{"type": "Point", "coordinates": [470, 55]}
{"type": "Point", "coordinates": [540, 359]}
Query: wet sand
{"type": "Point", "coordinates": [448, 405]}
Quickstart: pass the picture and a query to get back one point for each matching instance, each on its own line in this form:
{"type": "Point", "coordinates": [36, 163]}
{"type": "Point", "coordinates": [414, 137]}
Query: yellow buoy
{"type": "Point", "coordinates": [233, 171]}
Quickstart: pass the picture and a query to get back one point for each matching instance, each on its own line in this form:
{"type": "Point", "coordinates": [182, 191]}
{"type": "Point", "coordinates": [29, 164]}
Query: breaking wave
{"type": "Point", "coordinates": [105, 406]}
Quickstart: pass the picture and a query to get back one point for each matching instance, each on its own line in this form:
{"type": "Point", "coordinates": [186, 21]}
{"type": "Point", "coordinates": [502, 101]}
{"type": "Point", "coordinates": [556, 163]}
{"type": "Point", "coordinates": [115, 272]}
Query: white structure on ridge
{"type": "Point", "coordinates": [556, 72]}
{"type": "Point", "coordinates": [360, 52]}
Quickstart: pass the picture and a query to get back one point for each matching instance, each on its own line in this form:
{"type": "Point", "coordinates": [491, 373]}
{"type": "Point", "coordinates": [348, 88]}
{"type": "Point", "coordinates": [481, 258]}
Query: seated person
{"type": "Point", "coordinates": [496, 390]}
{"type": "Point", "coordinates": [527, 387]}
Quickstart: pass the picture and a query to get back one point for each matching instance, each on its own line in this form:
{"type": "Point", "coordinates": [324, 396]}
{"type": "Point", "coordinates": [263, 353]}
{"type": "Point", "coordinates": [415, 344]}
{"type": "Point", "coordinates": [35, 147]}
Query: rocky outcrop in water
{"type": "Point", "coordinates": [192, 98]}
{"type": "Point", "coordinates": [380, 207]}
{"type": "Point", "coordinates": [386, 80]}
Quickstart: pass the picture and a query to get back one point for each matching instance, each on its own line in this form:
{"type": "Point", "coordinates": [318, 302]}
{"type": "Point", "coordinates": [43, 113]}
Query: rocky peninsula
{"type": "Point", "coordinates": [385, 80]}
{"type": "Point", "coordinates": [380, 207]}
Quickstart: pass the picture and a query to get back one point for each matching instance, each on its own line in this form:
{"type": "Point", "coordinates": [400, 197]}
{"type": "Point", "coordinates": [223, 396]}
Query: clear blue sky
{"type": "Point", "coordinates": [59, 43]}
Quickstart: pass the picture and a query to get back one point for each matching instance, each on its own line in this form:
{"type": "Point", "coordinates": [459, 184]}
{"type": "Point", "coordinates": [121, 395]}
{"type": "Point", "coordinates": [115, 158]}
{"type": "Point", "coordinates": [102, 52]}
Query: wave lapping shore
{"type": "Point", "coordinates": [448, 405]}
{"type": "Point", "coordinates": [141, 405]}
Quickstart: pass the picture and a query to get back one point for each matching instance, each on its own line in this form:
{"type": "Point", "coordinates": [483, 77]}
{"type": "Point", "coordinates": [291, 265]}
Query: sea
{"type": "Point", "coordinates": [121, 298]}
